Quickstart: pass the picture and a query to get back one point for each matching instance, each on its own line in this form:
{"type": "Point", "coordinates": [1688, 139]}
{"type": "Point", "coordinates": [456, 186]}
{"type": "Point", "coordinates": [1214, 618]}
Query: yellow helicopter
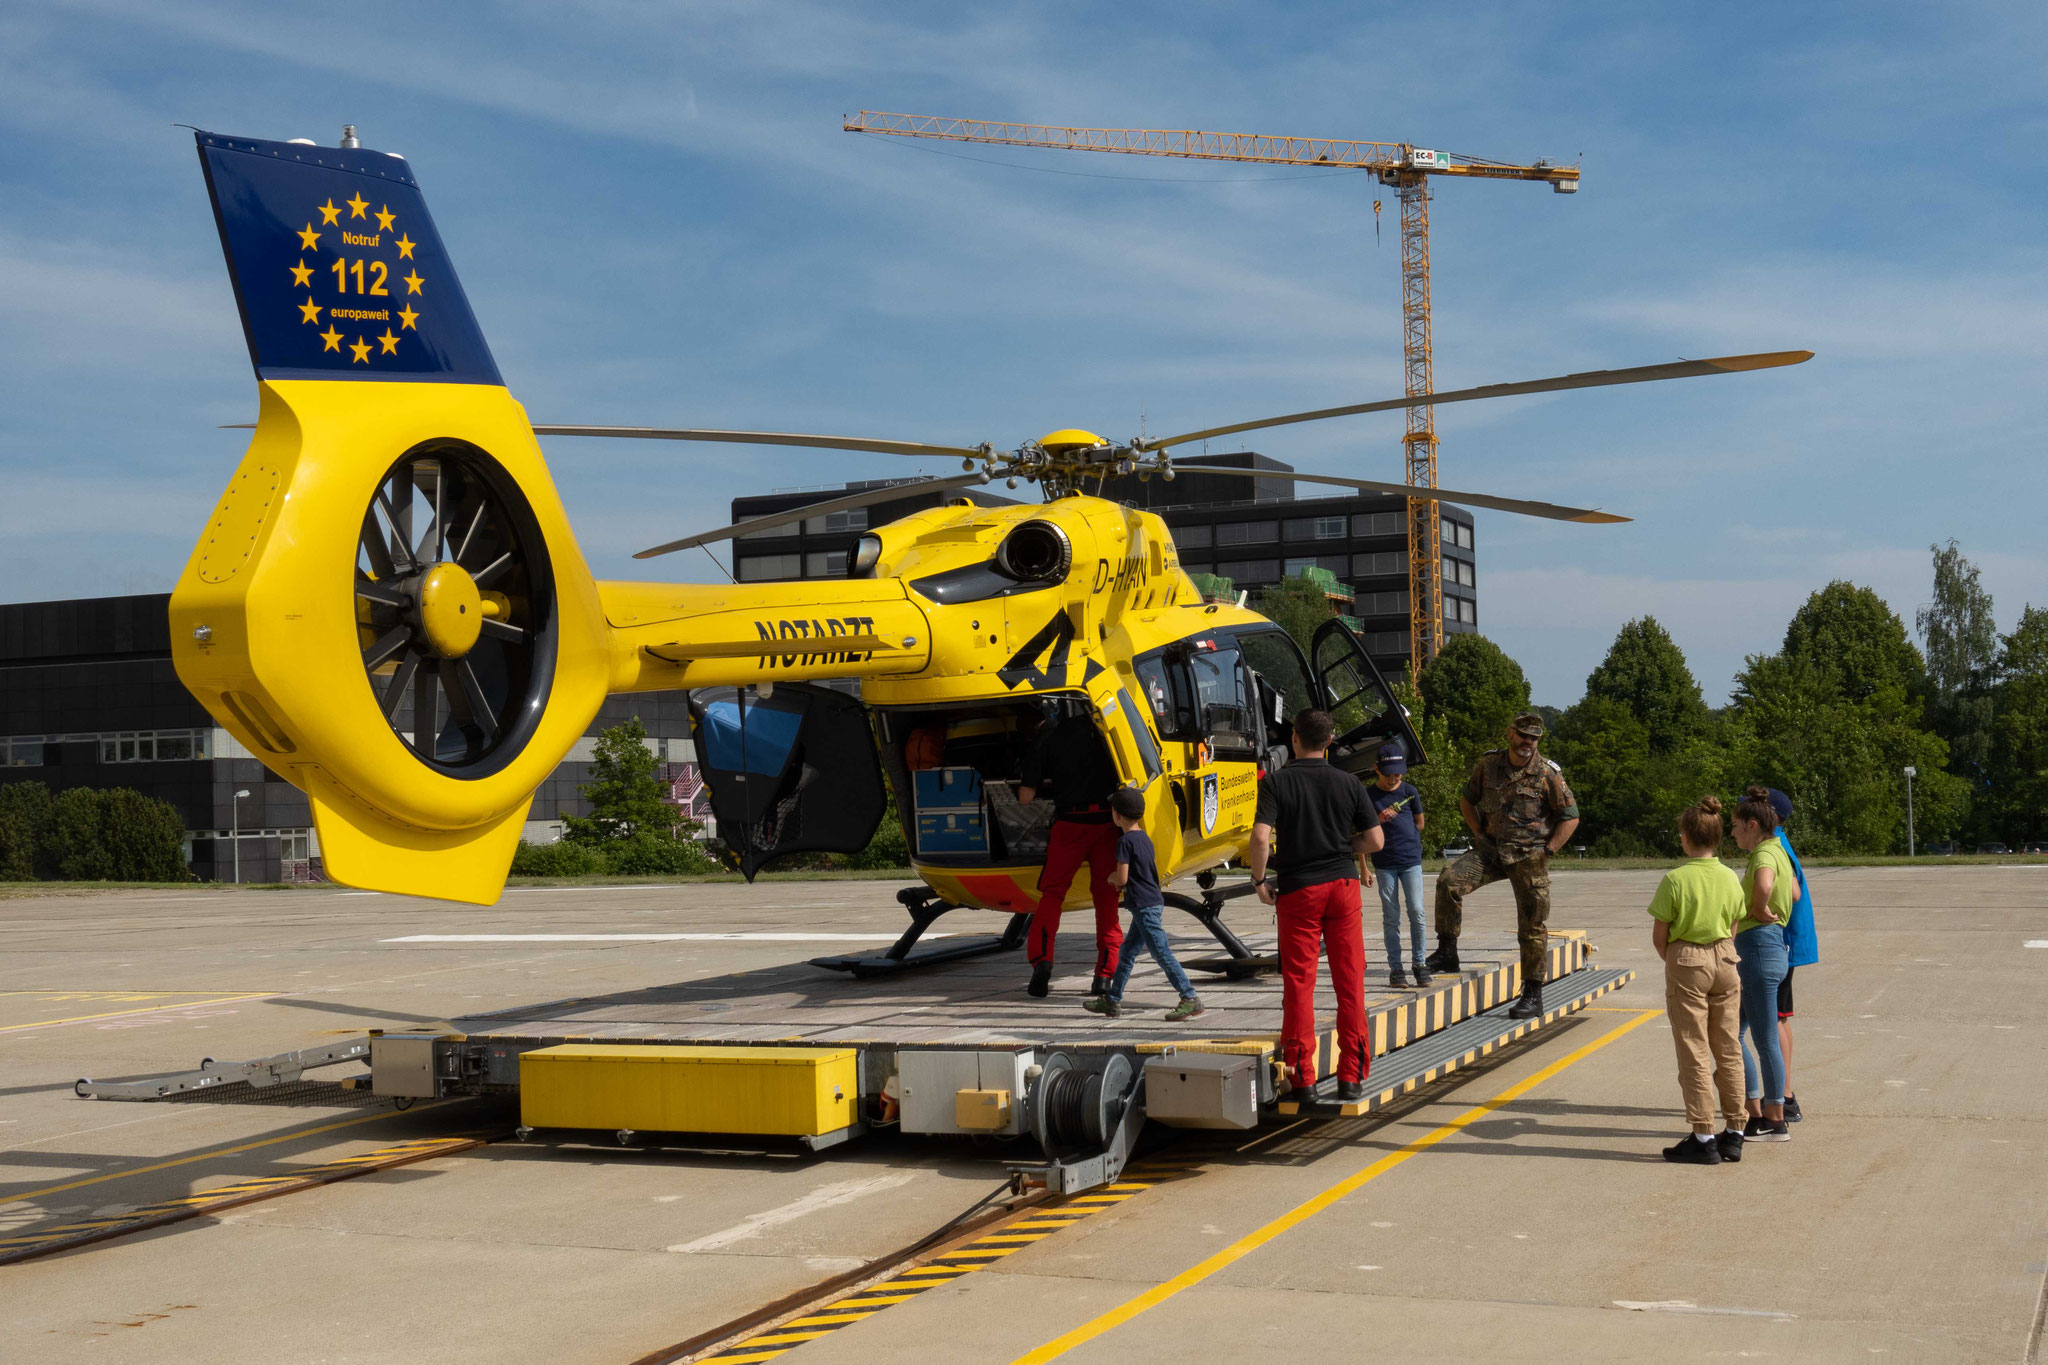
{"type": "Point", "coordinates": [388, 605]}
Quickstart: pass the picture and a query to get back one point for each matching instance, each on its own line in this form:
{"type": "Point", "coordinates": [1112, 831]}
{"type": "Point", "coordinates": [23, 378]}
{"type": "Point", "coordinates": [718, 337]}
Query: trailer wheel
{"type": "Point", "coordinates": [78, 1087]}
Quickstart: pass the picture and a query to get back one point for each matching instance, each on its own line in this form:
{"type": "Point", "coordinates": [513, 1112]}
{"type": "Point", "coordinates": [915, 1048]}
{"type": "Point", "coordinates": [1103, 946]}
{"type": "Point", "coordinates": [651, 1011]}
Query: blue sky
{"type": "Point", "coordinates": [658, 220]}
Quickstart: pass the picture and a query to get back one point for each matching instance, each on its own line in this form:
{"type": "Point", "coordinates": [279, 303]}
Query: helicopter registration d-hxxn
{"type": "Point", "coordinates": [390, 609]}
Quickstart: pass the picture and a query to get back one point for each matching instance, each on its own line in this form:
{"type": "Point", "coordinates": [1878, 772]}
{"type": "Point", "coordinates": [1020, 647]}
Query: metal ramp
{"type": "Point", "coordinates": [1436, 1055]}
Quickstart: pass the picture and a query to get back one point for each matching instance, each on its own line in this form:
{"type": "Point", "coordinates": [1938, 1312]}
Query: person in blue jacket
{"type": "Point", "coordinates": [1803, 946]}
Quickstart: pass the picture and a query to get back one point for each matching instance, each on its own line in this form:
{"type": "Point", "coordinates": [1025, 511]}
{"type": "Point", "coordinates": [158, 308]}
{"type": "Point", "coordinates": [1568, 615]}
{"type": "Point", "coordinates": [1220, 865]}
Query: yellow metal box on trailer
{"type": "Point", "coordinates": [659, 1088]}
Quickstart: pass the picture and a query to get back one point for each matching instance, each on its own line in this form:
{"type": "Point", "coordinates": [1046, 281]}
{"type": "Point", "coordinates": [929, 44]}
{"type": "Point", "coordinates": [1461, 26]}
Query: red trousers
{"type": "Point", "coordinates": [1324, 915]}
{"type": "Point", "coordinates": [1070, 844]}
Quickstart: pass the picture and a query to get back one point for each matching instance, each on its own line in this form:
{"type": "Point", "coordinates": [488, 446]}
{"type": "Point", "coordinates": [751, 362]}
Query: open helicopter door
{"type": "Point", "coordinates": [793, 771]}
{"type": "Point", "coordinates": [1360, 701]}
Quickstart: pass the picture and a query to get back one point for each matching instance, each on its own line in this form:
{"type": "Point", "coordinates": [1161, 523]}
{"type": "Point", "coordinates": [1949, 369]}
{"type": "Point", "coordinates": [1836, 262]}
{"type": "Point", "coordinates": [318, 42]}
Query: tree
{"type": "Point", "coordinates": [1440, 777]}
{"type": "Point", "coordinates": [1850, 633]}
{"type": "Point", "coordinates": [625, 796]}
{"type": "Point", "coordinates": [89, 834]}
{"type": "Point", "coordinates": [1646, 674]}
{"type": "Point", "coordinates": [24, 809]}
{"type": "Point", "coordinates": [1476, 689]}
{"type": "Point", "coordinates": [1297, 605]}
{"type": "Point", "coordinates": [1962, 656]}
{"type": "Point", "coordinates": [2018, 770]}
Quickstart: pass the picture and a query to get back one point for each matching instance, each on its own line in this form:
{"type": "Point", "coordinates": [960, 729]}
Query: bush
{"type": "Point", "coordinates": [86, 834]}
{"type": "Point", "coordinates": [651, 855]}
{"type": "Point", "coordinates": [562, 859]}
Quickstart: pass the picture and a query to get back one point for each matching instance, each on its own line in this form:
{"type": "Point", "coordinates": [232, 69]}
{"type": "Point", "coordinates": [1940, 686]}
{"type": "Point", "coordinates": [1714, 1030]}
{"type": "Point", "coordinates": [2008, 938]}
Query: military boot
{"type": "Point", "coordinates": [1445, 958]}
{"type": "Point", "coordinates": [1530, 1006]}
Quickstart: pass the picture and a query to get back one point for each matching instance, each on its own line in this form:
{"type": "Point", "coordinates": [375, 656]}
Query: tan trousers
{"type": "Point", "coordinates": [1704, 999]}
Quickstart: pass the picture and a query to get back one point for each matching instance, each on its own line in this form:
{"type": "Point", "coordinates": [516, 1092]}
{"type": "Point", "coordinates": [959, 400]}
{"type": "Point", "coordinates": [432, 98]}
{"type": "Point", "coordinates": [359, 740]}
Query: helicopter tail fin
{"type": "Point", "coordinates": [388, 606]}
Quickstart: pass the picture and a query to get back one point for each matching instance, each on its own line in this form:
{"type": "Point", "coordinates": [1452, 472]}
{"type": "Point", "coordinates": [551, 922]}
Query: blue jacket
{"type": "Point", "coordinates": [1800, 938]}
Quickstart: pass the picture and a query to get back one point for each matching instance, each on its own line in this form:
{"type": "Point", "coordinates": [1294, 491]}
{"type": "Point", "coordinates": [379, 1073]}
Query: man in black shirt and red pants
{"type": "Point", "coordinates": [1327, 828]}
{"type": "Point", "coordinates": [1070, 758]}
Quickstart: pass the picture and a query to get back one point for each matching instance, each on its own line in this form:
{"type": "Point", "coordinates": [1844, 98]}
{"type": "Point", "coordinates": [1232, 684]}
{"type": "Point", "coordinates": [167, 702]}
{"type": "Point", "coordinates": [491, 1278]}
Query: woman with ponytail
{"type": "Point", "coordinates": [1695, 909]}
{"type": "Point", "coordinates": [1769, 888]}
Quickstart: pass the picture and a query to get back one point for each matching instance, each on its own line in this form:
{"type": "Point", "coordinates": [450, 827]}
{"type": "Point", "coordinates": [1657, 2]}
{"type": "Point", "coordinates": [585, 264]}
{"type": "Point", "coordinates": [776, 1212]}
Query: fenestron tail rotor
{"type": "Point", "coordinates": [452, 602]}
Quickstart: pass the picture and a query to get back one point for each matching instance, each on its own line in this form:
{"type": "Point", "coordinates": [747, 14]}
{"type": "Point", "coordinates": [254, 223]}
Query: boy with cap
{"type": "Point", "coordinates": [1397, 867]}
{"type": "Point", "coordinates": [1803, 945]}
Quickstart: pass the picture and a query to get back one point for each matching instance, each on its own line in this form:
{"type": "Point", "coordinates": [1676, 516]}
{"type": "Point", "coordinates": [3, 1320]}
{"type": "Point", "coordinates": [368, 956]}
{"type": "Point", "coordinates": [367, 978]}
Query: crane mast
{"type": "Point", "coordinates": [1403, 167]}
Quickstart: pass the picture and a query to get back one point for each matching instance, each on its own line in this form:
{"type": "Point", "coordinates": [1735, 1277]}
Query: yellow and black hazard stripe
{"type": "Point", "coordinates": [947, 1266]}
{"type": "Point", "coordinates": [47, 1241]}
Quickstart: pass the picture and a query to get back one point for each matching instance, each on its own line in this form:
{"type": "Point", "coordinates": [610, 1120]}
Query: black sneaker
{"type": "Point", "coordinates": [1041, 979]}
{"type": "Point", "coordinates": [1761, 1129]}
{"type": "Point", "coordinates": [1730, 1143]}
{"type": "Point", "coordinates": [1690, 1151]}
{"type": "Point", "coordinates": [1421, 974]}
{"type": "Point", "coordinates": [1445, 958]}
{"type": "Point", "coordinates": [1351, 1092]}
{"type": "Point", "coordinates": [1792, 1114]}
{"type": "Point", "coordinates": [1396, 980]}
{"type": "Point", "coordinates": [1530, 1006]}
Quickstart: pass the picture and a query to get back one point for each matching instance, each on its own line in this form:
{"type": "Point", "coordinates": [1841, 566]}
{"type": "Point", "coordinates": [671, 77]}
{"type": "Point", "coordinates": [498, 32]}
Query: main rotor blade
{"type": "Point", "coordinates": [865, 498]}
{"type": "Point", "coordinates": [766, 438]}
{"type": "Point", "coordinates": [1590, 379]}
{"type": "Point", "coordinates": [1522, 505]}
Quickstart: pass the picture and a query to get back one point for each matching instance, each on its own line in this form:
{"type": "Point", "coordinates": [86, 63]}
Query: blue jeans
{"type": "Point", "coordinates": [1148, 932]}
{"type": "Point", "coordinates": [1391, 881]}
{"type": "Point", "coordinates": [1761, 967]}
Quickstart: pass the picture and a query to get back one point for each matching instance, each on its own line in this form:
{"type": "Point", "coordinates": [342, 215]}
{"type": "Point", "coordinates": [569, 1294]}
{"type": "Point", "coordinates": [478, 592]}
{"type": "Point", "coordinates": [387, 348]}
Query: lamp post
{"type": "Point", "coordinates": [237, 840]}
{"type": "Point", "coordinates": [1911, 773]}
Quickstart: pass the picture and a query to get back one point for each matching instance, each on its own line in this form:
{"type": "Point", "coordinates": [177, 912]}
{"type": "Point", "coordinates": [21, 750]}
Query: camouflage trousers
{"type": "Point", "coordinates": [1531, 879]}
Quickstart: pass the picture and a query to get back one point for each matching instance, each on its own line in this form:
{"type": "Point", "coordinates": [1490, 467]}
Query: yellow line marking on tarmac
{"type": "Point", "coordinates": [1301, 1213]}
{"type": "Point", "coordinates": [218, 1151]}
{"type": "Point", "coordinates": [152, 1009]}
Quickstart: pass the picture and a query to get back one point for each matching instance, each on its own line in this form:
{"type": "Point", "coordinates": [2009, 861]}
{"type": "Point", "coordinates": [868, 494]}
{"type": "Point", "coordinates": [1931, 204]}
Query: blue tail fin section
{"type": "Point", "coordinates": [337, 267]}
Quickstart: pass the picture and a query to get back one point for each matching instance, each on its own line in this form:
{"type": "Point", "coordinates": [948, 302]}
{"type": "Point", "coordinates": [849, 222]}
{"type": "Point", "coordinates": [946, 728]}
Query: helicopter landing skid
{"type": "Point", "coordinates": [924, 912]}
{"type": "Point", "coordinates": [1242, 963]}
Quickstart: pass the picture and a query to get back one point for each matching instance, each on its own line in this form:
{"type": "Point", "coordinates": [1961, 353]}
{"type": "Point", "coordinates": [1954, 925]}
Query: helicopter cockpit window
{"type": "Point", "coordinates": [1273, 655]}
{"type": "Point", "coordinates": [1165, 693]}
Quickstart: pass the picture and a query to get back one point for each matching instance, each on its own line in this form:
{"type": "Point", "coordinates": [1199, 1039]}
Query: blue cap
{"type": "Point", "coordinates": [1781, 804]}
{"type": "Point", "coordinates": [1392, 760]}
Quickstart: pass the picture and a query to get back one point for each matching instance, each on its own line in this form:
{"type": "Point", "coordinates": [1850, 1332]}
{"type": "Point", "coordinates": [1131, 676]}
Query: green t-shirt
{"type": "Point", "coordinates": [1700, 899]}
{"type": "Point", "coordinates": [1784, 888]}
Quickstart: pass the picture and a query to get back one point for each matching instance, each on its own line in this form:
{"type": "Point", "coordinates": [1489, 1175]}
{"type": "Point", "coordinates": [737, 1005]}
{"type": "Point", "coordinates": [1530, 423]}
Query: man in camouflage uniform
{"type": "Point", "coordinates": [1520, 811]}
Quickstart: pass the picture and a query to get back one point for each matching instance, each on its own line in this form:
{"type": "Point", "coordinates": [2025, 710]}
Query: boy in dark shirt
{"type": "Point", "coordinates": [1138, 875]}
{"type": "Point", "coordinates": [1397, 867]}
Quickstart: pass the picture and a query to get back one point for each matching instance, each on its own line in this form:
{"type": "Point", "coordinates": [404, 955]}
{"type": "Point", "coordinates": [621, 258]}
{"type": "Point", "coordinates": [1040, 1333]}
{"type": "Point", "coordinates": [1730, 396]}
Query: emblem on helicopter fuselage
{"type": "Point", "coordinates": [1211, 801]}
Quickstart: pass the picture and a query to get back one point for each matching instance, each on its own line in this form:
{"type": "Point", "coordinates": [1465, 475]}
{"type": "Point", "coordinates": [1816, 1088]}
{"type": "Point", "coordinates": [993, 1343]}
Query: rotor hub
{"type": "Point", "coordinates": [451, 610]}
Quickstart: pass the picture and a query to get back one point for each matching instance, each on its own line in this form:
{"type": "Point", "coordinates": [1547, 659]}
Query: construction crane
{"type": "Point", "coordinates": [1405, 167]}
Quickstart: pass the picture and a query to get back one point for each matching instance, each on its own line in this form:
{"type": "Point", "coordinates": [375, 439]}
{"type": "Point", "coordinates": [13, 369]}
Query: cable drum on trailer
{"type": "Point", "coordinates": [1078, 1110]}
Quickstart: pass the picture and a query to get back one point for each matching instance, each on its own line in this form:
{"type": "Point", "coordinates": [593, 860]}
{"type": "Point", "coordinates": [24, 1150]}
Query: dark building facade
{"type": "Point", "coordinates": [1253, 531]}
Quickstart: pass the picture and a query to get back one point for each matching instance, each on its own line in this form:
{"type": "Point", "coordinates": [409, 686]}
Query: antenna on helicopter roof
{"type": "Point", "coordinates": [348, 136]}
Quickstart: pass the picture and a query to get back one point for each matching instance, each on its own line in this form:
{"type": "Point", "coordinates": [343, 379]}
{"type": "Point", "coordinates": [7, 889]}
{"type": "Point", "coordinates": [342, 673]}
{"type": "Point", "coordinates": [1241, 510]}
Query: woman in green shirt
{"type": "Point", "coordinates": [1769, 888]}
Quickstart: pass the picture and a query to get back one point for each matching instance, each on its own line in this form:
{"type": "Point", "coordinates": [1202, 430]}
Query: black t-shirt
{"type": "Point", "coordinates": [1315, 811]}
{"type": "Point", "coordinates": [1403, 847]}
{"type": "Point", "coordinates": [1071, 761]}
{"type": "Point", "coordinates": [1141, 886]}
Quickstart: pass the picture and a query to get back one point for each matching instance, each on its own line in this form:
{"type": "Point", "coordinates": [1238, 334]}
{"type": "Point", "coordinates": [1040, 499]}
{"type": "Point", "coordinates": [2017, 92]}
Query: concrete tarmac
{"type": "Point", "coordinates": [1908, 1219]}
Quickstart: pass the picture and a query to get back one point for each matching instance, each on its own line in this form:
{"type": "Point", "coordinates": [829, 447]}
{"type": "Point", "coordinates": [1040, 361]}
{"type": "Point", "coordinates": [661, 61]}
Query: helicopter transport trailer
{"type": "Point", "coordinates": [792, 1053]}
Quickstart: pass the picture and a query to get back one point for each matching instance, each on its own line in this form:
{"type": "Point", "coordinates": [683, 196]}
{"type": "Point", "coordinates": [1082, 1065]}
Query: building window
{"type": "Point", "coordinates": [1249, 570]}
{"type": "Point", "coordinates": [761, 568]}
{"type": "Point", "coordinates": [1389, 642]}
{"type": "Point", "coordinates": [1458, 533]}
{"type": "Point", "coordinates": [1466, 574]}
{"type": "Point", "coordinates": [154, 746]}
{"type": "Point", "coordinates": [783, 530]}
{"type": "Point", "coordinates": [1383, 604]}
{"type": "Point", "coordinates": [1193, 537]}
{"type": "Point", "coordinates": [22, 751]}
{"type": "Point", "coordinates": [1248, 533]}
{"type": "Point", "coordinates": [825, 564]}
{"type": "Point", "coordinates": [1468, 612]}
{"type": "Point", "coordinates": [834, 523]}
{"type": "Point", "coordinates": [1379, 565]}
{"type": "Point", "coordinates": [1314, 528]}
{"type": "Point", "coordinates": [1378, 524]}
